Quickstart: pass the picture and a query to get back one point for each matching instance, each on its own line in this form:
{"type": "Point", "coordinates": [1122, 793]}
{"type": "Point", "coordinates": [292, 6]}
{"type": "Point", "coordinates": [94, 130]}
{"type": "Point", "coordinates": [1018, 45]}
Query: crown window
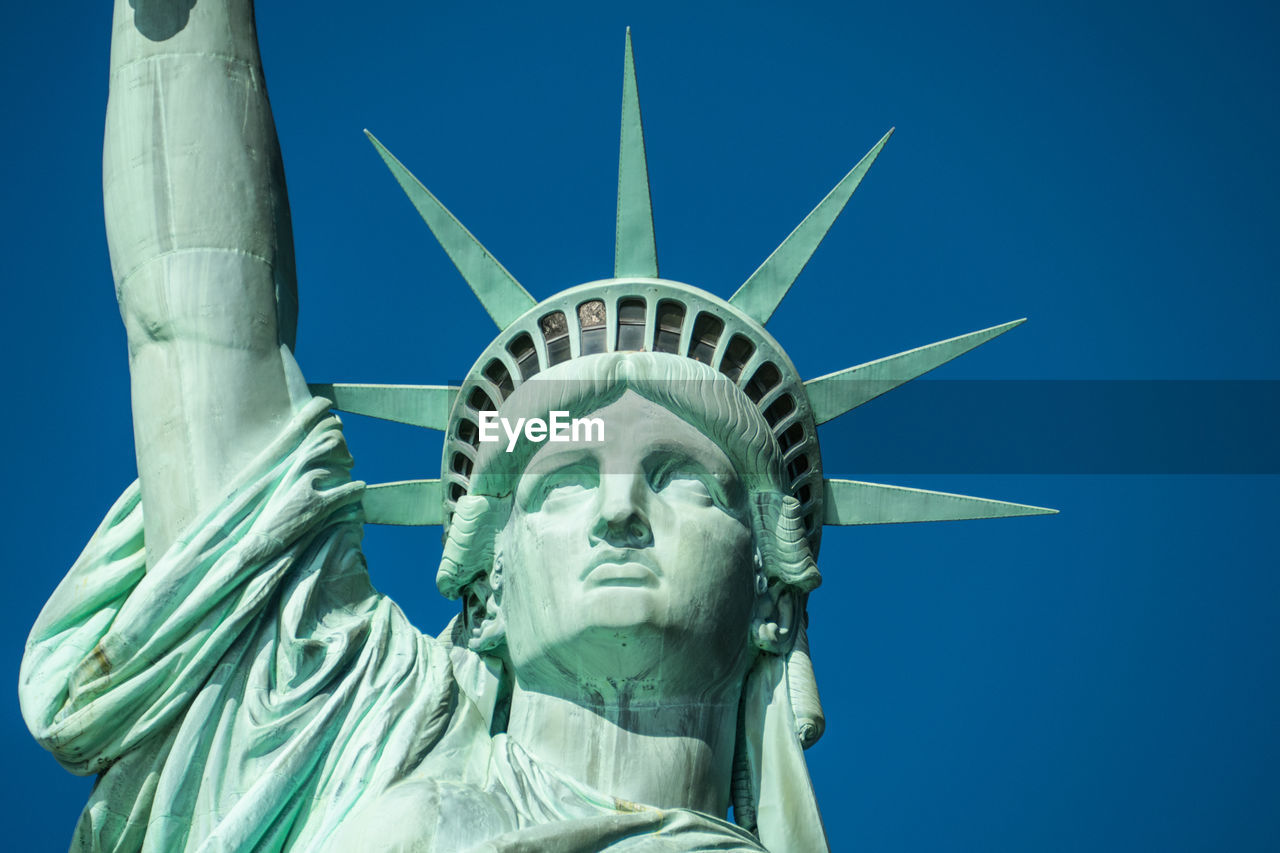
{"type": "Point", "coordinates": [630, 325]}
{"type": "Point", "coordinates": [780, 408]}
{"type": "Point", "coordinates": [468, 432]}
{"type": "Point", "coordinates": [461, 464]}
{"type": "Point", "coordinates": [591, 320]}
{"type": "Point", "coordinates": [736, 356]}
{"type": "Point", "coordinates": [798, 466]}
{"type": "Point", "coordinates": [789, 439]}
{"type": "Point", "coordinates": [706, 334]}
{"type": "Point", "coordinates": [670, 322]}
{"type": "Point", "coordinates": [555, 331]}
{"type": "Point", "coordinates": [766, 378]}
{"type": "Point", "coordinates": [497, 373]}
{"type": "Point", "coordinates": [526, 356]}
{"type": "Point", "coordinates": [480, 401]}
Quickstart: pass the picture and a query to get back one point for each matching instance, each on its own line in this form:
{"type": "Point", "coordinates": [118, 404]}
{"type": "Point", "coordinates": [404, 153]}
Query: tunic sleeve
{"type": "Point", "coordinates": [251, 688]}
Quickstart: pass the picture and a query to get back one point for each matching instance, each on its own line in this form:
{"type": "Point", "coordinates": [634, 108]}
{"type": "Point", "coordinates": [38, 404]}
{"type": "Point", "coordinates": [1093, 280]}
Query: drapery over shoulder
{"type": "Point", "coordinates": [258, 628]}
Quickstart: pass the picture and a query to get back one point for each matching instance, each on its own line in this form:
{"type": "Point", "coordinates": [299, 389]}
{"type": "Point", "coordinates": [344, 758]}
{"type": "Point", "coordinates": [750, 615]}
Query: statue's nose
{"type": "Point", "coordinates": [622, 518]}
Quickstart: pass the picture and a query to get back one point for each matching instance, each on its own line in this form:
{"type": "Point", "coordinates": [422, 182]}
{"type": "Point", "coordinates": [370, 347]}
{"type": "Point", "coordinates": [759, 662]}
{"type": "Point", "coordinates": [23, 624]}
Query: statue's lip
{"type": "Point", "coordinates": [606, 555]}
{"type": "Point", "coordinates": [621, 572]}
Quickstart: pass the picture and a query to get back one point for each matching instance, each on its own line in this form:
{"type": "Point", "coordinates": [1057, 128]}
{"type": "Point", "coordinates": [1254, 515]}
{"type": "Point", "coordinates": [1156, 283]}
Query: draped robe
{"type": "Point", "coordinates": [251, 690]}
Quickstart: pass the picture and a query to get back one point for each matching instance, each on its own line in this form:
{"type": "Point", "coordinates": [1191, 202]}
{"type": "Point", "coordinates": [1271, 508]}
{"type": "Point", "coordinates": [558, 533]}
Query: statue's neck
{"type": "Point", "coordinates": [669, 754]}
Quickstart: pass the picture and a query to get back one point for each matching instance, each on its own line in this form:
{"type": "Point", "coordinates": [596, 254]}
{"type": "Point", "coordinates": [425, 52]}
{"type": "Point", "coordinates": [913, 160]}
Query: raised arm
{"type": "Point", "coordinates": [201, 250]}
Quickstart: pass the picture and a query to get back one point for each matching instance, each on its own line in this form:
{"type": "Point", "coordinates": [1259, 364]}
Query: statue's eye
{"type": "Point", "coordinates": [685, 480]}
{"type": "Point", "coordinates": [563, 486]}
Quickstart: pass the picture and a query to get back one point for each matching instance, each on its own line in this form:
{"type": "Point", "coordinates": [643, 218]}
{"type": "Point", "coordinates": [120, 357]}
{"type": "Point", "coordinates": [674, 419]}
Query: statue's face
{"type": "Point", "coordinates": [629, 559]}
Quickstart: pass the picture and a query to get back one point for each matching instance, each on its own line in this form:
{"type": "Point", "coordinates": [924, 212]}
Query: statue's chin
{"type": "Point", "coordinates": [626, 608]}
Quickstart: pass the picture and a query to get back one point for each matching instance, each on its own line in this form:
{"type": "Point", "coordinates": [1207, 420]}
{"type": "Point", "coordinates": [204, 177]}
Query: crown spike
{"type": "Point", "coordinates": [425, 406]}
{"type": "Point", "coordinates": [852, 502]}
{"type": "Point", "coordinates": [412, 503]}
{"type": "Point", "coordinates": [761, 294]}
{"type": "Point", "coordinates": [498, 291]}
{"type": "Point", "coordinates": [832, 395]}
{"type": "Point", "coordinates": [635, 248]}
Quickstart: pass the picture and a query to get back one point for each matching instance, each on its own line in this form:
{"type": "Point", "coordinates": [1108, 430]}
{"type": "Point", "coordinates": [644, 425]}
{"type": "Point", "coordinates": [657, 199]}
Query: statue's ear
{"type": "Point", "coordinates": [488, 626]}
{"type": "Point", "coordinates": [777, 609]}
{"type": "Point", "coordinates": [496, 572]}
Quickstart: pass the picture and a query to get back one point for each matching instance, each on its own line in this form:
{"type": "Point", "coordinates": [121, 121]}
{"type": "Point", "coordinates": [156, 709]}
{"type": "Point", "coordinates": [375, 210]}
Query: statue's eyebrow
{"type": "Point", "coordinates": [534, 475]}
{"type": "Point", "coordinates": [547, 460]}
{"type": "Point", "coordinates": [726, 485]}
{"type": "Point", "coordinates": [716, 464]}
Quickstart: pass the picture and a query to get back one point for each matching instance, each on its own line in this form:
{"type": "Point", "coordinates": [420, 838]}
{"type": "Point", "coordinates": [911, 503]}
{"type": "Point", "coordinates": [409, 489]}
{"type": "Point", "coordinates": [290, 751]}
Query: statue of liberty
{"type": "Point", "coordinates": [629, 662]}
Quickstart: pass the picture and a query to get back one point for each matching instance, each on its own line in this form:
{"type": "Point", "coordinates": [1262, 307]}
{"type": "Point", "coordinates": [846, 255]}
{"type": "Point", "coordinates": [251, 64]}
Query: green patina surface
{"type": "Point", "coordinates": [630, 658]}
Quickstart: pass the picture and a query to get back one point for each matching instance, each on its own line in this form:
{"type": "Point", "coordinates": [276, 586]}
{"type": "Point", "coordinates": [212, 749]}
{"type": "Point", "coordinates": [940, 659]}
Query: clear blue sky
{"type": "Point", "coordinates": [1104, 679]}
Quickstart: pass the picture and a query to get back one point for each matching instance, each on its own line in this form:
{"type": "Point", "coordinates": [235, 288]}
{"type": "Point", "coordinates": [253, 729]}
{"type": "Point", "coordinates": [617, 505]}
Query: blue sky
{"type": "Point", "coordinates": [1102, 679]}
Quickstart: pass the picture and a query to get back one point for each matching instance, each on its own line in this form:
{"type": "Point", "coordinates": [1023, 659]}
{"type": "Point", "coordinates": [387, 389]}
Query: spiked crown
{"type": "Point", "coordinates": [638, 311]}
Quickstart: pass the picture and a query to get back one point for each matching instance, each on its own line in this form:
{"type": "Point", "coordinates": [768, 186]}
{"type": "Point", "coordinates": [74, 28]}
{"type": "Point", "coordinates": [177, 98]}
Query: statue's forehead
{"type": "Point", "coordinates": [629, 427]}
{"type": "Point", "coordinates": [628, 431]}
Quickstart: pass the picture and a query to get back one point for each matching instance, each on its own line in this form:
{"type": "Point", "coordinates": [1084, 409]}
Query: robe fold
{"type": "Point", "coordinates": [251, 691]}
